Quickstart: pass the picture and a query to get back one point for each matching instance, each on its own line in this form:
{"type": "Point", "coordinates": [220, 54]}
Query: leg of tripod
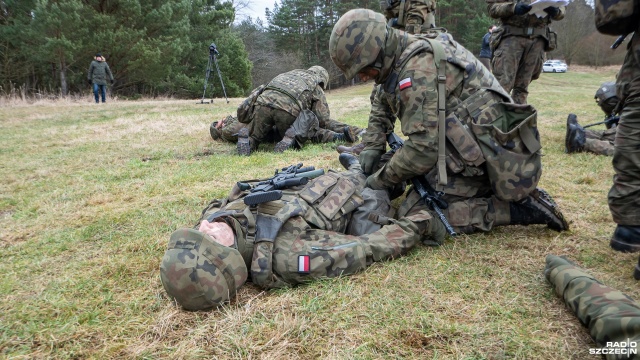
{"type": "Point", "coordinates": [215, 59]}
{"type": "Point", "coordinates": [206, 78]}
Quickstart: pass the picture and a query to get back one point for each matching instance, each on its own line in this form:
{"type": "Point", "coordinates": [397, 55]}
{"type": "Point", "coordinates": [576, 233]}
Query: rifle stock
{"type": "Point", "coordinates": [270, 189]}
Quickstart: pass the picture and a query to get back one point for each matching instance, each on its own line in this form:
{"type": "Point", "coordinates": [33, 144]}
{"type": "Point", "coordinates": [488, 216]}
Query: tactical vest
{"type": "Point", "coordinates": [325, 203]}
{"type": "Point", "coordinates": [296, 84]}
{"type": "Point", "coordinates": [483, 132]}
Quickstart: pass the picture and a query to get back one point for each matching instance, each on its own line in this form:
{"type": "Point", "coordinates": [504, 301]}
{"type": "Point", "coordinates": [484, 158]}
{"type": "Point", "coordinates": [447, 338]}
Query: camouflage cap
{"type": "Point", "coordinates": [356, 40]}
{"type": "Point", "coordinates": [198, 272]}
{"type": "Point", "coordinates": [321, 74]}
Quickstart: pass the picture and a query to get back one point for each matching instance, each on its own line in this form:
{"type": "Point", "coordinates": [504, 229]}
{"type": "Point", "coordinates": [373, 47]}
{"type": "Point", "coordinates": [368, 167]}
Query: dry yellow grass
{"type": "Point", "coordinates": [90, 194]}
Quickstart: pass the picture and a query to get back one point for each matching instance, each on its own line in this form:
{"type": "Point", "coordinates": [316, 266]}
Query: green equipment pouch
{"type": "Point", "coordinates": [551, 40]}
{"type": "Point", "coordinates": [617, 17]}
{"type": "Point", "coordinates": [245, 109]}
{"type": "Point", "coordinates": [509, 139]}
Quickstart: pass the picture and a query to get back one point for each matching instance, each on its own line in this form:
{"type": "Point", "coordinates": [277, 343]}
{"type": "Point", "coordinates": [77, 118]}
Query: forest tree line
{"type": "Point", "coordinates": [161, 47]}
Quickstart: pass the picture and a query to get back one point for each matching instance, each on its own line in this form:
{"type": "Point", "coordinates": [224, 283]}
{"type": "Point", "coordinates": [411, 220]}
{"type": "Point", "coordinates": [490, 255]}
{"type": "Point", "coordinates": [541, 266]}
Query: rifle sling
{"type": "Point", "coordinates": [441, 65]}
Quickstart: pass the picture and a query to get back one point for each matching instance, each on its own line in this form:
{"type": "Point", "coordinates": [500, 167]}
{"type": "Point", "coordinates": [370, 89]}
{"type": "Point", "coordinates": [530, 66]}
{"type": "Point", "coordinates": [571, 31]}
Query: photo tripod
{"type": "Point", "coordinates": [213, 52]}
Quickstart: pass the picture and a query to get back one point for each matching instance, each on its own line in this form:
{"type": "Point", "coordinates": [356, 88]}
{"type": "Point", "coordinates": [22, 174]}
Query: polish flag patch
{"type": "Point", "coordinates": [303, 264]}
{"type": "Point", "coordinates": [405, 83]}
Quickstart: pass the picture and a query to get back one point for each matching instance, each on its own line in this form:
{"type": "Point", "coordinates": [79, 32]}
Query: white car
{"type": "Point", "coordinates": [554, 66]}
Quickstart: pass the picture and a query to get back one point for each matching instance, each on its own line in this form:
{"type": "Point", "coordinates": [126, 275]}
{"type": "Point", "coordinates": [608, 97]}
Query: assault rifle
{"type": "Point", "coordinates": [270, 189]}
{"type": "Point", "coordinates": [609, 121]}
{"type": "Point", "coordinates": [429, 195]}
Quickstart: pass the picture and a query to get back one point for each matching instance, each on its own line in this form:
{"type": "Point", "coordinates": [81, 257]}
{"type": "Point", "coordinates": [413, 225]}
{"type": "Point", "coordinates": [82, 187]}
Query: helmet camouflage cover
{"type": "Point", "coordinates": [321, 74]}
{"type": "Point", "coordinates": [356, 40]}
{"type": "Point", "coordinates": [198, 272]}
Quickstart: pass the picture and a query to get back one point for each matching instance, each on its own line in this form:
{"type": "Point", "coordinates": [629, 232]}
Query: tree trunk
{"type": "Point", "coordinates": [63, 78]}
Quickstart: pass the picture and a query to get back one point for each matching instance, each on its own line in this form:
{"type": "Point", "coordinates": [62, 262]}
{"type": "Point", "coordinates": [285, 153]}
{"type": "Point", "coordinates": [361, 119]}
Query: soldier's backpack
{"type": "Point", "coordinates": [246, 107]}
{"type": "Point", "coordinates": [617, 17]}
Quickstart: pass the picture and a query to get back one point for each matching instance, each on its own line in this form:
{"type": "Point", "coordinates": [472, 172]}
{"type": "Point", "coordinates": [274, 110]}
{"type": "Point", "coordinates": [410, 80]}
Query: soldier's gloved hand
{"type": "Point", "coordinates": [521, 9]}
{"type": "Point", "coordinates": [374, 183]}
{"type": "Point", "coordinates": [552, 11]}
{"type": "Point", "coordinates": [369, 160]}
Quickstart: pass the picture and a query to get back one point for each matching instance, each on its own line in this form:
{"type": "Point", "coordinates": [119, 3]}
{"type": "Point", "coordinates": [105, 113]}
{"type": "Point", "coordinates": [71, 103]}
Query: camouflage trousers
{"type": "Point", "coordinates": [269, 123]}
{"type": "Point", "coordinates": [517, 61]}
{"type": "Point", "coordinates": [600, 141]}
{"type": "Point", "coordinates": [610, 315]}
{"type": "Point", "coordinates": [624, 196]}
{"type": "Point", "coordinates": [466, 215]}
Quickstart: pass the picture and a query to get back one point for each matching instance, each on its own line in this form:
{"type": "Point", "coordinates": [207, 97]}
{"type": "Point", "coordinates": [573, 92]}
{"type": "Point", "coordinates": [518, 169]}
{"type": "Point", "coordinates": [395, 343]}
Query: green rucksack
{"type": "Point", "coordinates": [245, 109]}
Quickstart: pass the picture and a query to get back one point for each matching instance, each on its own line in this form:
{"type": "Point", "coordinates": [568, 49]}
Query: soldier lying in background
{"type": "Point", "coordinates": [611, 316]}
{"type": "Point", "coordinates": [600, 142]}
{"type": "Point", "coordinates": [330, 227]}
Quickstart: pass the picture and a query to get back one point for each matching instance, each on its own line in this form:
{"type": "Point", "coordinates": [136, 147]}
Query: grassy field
{"type": "Point", "coordinates": [89, 195]}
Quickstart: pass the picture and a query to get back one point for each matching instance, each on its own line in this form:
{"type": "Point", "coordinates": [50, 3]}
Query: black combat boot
{"type": "Point", "coordinates": [574, 138]}
{"type": "Point", "coordinates": [245, 144]}
{"type": "Point", "coordinates": [347, 135]}
{"type": "Point", "coordinates": [626, 238]}
{"type": "Point", "coordinates": [287, 142]}
{"type": "Point", "coordinates": [355, 149]}
{"type": "Point", "coordinates": [347, 160]}
{"type": "Point", "coordinates": [538, 208]}
{"type": "Point", "coordinates": [215, 133]}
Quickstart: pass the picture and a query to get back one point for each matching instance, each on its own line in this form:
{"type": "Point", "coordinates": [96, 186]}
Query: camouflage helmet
{"type": "Point", "coordinates": [357, 40]}
{"type": "Point", "coordinates": [198, 272]}
{"type": "Point", "coordinates": [606, 97]}
{"type": "Point", "coordinates": [321, 74]}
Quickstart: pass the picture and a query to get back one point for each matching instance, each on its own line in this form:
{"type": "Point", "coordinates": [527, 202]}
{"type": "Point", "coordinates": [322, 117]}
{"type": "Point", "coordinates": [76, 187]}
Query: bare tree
{"type": "Point", "coordinates": [573, 29]}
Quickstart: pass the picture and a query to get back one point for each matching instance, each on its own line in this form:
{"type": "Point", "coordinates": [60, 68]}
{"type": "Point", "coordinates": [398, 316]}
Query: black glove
{"type": "Point", "coordinates": [112, 81]}
{"type": "Point", "coordinates": [89, 81]}
{"type": "Point", "coordinates": [521, 9]}
{"type": "Point", "coordinates": [552, 11]}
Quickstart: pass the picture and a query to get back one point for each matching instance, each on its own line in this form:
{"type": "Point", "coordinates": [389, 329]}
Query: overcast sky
{"type": "Point", "coordinates": [256, 8]}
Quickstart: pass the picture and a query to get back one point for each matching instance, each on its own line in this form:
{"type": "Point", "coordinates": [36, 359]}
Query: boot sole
{"type": "Point", "coordinates": [624, 247]}
{"type": "Point", "coordinates": [284, 144]}
{"type": "Point", "coordinates": [244, 145]}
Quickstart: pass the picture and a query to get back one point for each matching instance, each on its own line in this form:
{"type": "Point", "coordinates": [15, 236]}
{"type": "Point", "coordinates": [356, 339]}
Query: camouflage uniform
{"type": "Point", "coordinates": [325, 133]}
{"type": "Point", "coordinates": [600, 142]}
{"type": "Point", "coordinates": [288, 241]}
{"type": "Point", "coordinates": [518, 57]}
{"type": "Point", "coordinates": [279, 105]}
{"type": "Point", "coordinates": [610, 315]}
{"type": "Point", "coordinates": [413, 16]}
{"type": "Point", "coordinates": [410, 94]}
{"type": "Point", "coordinates": [624, 196]}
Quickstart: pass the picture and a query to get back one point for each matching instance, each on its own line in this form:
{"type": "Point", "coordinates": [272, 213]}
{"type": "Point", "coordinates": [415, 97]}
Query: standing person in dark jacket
{"type": "Point", "coordinates": [97, 76]}
{"type": "Point", "coordinates": [485, 50]}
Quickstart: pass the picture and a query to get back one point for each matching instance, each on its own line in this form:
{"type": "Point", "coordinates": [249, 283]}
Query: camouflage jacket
{"type": "Point", "coordinates": [300, 237]}
{"type": "Point", "coordinates": [412, 97]}
{"type": "Point", "coordinates": [293, 89]}
{"type": "Point", "coordinates": [414, 17]}
{"type": "Point", "coordinates": [98, 72]}
{"type": "Point", "coordinates": [503, 11]}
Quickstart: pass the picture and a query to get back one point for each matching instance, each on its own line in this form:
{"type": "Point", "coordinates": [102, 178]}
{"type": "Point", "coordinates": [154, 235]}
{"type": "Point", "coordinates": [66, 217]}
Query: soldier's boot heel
{"type": "Point", "coordinates": [287, 141]}
{"type": "Point", "coordinates": [244, 142]}
{"type": "Point", "coordinates": [626, 238]}
{"type": "Point", "coordinates": [636, 271]}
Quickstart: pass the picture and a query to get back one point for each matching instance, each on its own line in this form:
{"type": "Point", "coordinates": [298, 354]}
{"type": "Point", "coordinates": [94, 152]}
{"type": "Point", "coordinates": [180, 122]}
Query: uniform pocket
{"type": "Point", "coordinates": [320, 254]}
